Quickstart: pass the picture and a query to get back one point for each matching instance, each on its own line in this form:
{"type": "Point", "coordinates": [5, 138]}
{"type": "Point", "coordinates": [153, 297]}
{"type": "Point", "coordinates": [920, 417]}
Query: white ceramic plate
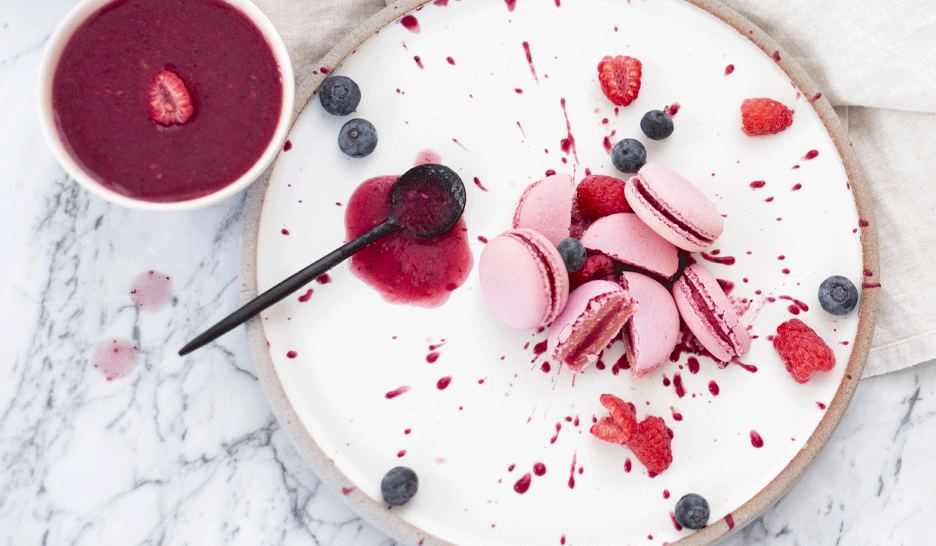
{"type": "Point", "coordinates": [457, 80]}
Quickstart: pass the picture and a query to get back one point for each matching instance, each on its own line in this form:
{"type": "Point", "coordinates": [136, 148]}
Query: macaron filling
{"type": "Point", "coordinates": [592, 333]}
{"type": "Point", "coordinates": [551, 280]}
{"type": "Point", "coordinates": [654, 203]}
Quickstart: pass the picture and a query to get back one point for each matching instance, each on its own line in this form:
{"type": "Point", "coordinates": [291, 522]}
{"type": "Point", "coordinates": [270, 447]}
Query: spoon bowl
{"type": "Point", "coordinates": [427, 200]}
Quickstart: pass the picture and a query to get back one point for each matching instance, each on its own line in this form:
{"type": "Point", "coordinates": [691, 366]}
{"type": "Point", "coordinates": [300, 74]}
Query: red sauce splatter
{"type": "Point", "coordinates": [556, 436]}
{"type": "Point", "coordinates": [529, 58]}
{"type": "Point", "coordinates": [418, 61]}
{"type": "Point", "coordinates": [811, 154]}
{"type": "Point", "coordinates": [672, 109]}
{"type": "Point", "coordinates": [758, 184]}
{"type": "Point", "coordinates": [523, 484]}
{"type": "Point", "coordinates": [444, 382]}
{"type": "Point", "coordinates": [396, 392]}
{"type": "Point", "coordinates": [427, 156]}
{"type": "Point", "coordinates": [677, 384]}
{"type": "Point", "coordinates": [539, 469]}
{"type": "Point", "coordinates": [401, 453]}
{"type": "Point", "coordinates": [511, 4]}
{"type": "Point", "coordinates": [477, 182]}
{"type": "Point", "coordinates": [432, 357]}
{"type": "Point", "coordinates": [730, 521]}
{"type": "Point", "coordinates": [287, 146]}
{"type": "Point", "coordinates": [305, 297]}
{"type": "Point", "coordinates": [450, 61]}
{"type": "Point", "coordinates": [675, 523]}
{"type": "Point", "coordinates": [713, 388]}
{"type": "Point", "coordinates": [292, 354]}
{"type": "Point", "coordinates": [410, 23]}
{"type": "Point", "coordinates": [729, 69]}
{"type": "Point", "coordinates": [816, 97]}
{"type": "Point", "coordinates": [627, 465]}
{"type": "Point", "coordinates": [821, 405]}
{"type": "Point", "coordinates": [724, 260]}
{"type": "Point", "coordinates": [756, 439]}
{"type": "Point", "coordinates": [776, 56]}
{"type": "Point", "coordinates": [568, 143]}
{"type": "Point", "coordinates": [151, 290]}
{"type": "Point", "coordinates": [285, 231]}
{"type": "Point", "coordinates": [116, 358]}
{"type": "Point", "coordinates": [693, 364]}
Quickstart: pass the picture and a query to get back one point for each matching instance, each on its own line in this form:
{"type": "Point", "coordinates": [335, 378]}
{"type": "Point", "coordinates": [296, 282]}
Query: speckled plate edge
{"type": "Point", "coordinates": [388, 522]}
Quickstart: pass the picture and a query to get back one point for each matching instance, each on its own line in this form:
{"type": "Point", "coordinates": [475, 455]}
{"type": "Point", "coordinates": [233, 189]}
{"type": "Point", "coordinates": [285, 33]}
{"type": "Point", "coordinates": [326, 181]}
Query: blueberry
{"type": "Point", "coordinates": [339, 95]}
{"type": "Point", "coordinates": [399, 485]}
{"type": "Point", "coordinates": [628, 155]}
{"type": "Point", "coordinates": [357, 138]}
{"type": "Point", "coordinates": [692, 511]}
{"type": "Point", "coordinates": [573, 254]}
{"type": "Point", "coordinates": [657, 124]}
{"type": "Point", "coordinates": [837, 295]}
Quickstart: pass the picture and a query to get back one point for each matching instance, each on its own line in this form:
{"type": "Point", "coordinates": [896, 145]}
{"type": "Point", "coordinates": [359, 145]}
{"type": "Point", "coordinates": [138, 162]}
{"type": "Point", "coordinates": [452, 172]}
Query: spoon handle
{"type": "Point", "coordinates": [288, 286]}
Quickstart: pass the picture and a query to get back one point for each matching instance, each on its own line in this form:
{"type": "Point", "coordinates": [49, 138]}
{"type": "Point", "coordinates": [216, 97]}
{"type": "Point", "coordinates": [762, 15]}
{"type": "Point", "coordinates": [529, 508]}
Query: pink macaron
{"type": "Point", "coordinates": [652, 332]}
{"type": "Point", "coordinates": [709, 315]}
{"type": "Point", "coordinates": [523, 279]}
{"type": "Point", "coordinates": [624, 237]}
{"type": "Point", "coordinates": [593, 317]}
{"type": "Point", "coordinates": [673, 207]}
{"type": "Point", "coordinates": [546, 207]}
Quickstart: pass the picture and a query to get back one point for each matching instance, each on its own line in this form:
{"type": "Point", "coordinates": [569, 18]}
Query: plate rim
{"type": "Point", "coordinates": [390, 523]}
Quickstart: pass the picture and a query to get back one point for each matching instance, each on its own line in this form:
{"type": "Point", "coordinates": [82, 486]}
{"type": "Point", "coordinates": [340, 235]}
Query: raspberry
{"type": "Point", "coordinates": [803, 350]}
{"type": "Point", "coordinates": [651, 445]}
{"type": "Point", "coordinates": [597, 266]}
{"type": "Point", "coordinates": [599, 195]}
{"type": "Point", "coordinates": [620, 426]}
{"type": "Point", "coordinates": [608, 430]}
{"type": "Point", "coordinates": [620, 78]}
{"type": "Point", "coordinates": [622, 413]}
{"type": "Point", "coordinates": [764, 117]}
{"type": "Point", "coordinates": [169, 100]}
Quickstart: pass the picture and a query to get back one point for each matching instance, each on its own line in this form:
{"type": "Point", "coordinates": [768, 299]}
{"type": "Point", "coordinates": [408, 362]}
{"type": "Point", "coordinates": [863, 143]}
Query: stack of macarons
{"type": "Point", "coordinates": [525, 280]}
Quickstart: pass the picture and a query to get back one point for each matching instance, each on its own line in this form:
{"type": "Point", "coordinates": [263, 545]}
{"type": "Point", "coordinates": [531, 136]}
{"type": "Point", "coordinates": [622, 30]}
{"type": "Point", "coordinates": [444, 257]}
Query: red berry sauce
{"type": "Point", "coordinates": [404, 268]}
{"type": "Point", "coordinates": [101, 86]}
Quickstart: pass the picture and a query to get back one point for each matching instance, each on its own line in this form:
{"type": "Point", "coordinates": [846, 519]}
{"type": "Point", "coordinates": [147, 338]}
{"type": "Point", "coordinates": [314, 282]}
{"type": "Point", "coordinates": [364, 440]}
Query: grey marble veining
{"type": "Point", "coordinates": [186, 450]}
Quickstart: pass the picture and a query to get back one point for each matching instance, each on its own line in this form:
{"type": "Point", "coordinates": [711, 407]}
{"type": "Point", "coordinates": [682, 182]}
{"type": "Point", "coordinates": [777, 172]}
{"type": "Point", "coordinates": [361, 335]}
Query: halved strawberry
{"type": "Point", "coordinates": [169, 100]}
{"type": "Point", "coordinates": [761, 116]}
{"type": "Point", "coordinates": [620, 78]}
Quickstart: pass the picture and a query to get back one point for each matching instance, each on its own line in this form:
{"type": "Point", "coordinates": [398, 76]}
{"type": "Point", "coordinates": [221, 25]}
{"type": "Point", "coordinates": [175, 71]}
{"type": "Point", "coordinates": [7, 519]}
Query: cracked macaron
{"type": "Point", "coordinates": [674, 207]}
{"type": "Point", "coordinates": [709, 315]}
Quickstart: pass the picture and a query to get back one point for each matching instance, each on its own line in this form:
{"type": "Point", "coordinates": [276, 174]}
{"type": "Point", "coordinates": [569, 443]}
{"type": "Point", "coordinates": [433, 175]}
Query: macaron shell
{"type": "Point", "coordinates": [709, 315]}
{"type": "Point", "coordinates": [652, 332]}
{"type": "Point", "coordinates": [626, 238]}
{"type": "Point", "coordinates": [674, 207]}
{"type": "Point", "coordinates": [546, 207]}
{"type": "Point", "coordinates": [523, 279]}
{"type": "Point", "coordinates": [594, 314]}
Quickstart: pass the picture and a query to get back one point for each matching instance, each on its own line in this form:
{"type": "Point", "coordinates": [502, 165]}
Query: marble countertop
{"type": "Point", "coordinates": [161, 449]}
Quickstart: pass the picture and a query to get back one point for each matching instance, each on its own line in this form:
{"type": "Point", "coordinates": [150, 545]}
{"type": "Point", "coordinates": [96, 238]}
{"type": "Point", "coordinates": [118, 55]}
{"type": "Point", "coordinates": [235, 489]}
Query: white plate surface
{"type": "Point", "coordinates": [461, 86]}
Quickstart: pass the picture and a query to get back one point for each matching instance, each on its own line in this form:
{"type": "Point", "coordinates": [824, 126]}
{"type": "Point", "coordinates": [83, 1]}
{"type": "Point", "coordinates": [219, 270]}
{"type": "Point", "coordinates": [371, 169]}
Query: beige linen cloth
{"type": "Point", "coordinates": [875, 60]}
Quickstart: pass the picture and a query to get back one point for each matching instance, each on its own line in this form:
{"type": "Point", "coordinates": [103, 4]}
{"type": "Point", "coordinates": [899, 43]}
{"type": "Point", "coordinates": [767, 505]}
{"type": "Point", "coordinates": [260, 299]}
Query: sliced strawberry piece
{"type": "Point", "coordinates": [622, 413]}
{"type": "Point", "coordinates": [620, 78]}
{"type": "Point", "coordinates": [169, 100]}
{"type": "Point", "coordinates": [763, 116]}
{"type": "Point", "coordinates": [608, 430]}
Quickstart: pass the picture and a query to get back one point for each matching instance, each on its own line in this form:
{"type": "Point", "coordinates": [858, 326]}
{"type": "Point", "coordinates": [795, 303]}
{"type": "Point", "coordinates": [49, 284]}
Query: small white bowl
{"type": "Point", "coordinates": [53, 52]}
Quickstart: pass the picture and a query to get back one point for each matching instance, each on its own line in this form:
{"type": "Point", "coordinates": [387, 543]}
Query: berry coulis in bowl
{"type": "Point", "coordinates": [166, 105]}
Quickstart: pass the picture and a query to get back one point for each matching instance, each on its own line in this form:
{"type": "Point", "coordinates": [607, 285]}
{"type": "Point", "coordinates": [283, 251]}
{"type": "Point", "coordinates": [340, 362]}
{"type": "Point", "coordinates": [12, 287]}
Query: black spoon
{"type": "Point", "coordinates": [426, 202]}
